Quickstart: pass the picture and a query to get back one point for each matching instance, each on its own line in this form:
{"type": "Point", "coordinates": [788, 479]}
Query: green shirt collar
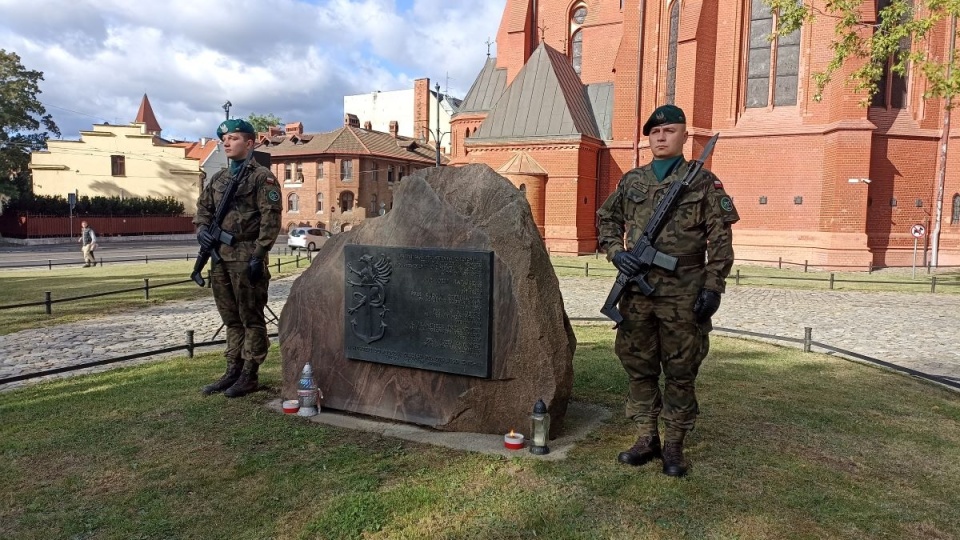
{"type": "Point", "coordinates": [663, 167]}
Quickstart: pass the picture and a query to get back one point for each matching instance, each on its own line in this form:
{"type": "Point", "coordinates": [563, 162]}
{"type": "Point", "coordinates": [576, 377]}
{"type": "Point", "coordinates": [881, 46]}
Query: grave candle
{"type": "Point", "coordinates": [513, 441]}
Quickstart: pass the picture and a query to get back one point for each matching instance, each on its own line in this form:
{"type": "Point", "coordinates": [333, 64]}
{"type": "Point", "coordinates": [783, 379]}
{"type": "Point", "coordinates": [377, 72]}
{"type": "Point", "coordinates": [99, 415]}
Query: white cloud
{"type": "Point", "coordinates": [287, 57]}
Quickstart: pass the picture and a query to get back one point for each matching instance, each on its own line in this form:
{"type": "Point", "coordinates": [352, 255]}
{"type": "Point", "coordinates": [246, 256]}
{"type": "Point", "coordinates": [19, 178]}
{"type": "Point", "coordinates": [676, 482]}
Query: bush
{"type": "Point", "coordinates": [57, 205]}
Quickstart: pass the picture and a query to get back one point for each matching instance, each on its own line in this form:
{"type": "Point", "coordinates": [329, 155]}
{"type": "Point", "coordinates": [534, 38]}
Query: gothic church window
{"type": "Point", "coordinates": [672, 53]}
{"type": "Point", "coordinates": [772, 66]}
{"type": "Point", "coordinates": [578, 15]}
{"type": "Point", "coordinates": [955, 217]}
{"type": "Point", "coordinates": [892, 86]}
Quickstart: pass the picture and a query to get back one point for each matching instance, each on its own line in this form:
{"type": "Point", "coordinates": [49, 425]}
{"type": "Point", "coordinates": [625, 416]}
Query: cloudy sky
{"type": "Point", "coordinates": [293, 58]}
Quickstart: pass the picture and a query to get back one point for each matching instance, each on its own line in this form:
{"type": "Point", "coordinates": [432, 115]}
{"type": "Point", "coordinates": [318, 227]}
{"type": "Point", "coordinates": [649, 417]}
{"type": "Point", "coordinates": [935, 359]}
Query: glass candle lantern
{"type": "Point", "coordinates": [540, 428]}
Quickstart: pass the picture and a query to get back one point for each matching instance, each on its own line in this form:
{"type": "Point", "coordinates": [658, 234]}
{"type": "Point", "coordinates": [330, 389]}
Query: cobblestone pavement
{"type": "Point", "coordinates": [919, 331]}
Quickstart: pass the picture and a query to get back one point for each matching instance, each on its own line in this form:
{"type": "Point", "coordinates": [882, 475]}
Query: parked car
{"type": "Point", "coordinates": [308, 238]}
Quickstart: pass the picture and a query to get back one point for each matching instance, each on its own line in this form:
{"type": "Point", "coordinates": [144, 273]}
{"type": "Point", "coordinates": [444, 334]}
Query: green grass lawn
{"type": "Point", "coordinates": [23, 286]}
{"type": "Point", "coordinates": [789, 445]}
{"type": "Point", "coordinates": [892, 280]}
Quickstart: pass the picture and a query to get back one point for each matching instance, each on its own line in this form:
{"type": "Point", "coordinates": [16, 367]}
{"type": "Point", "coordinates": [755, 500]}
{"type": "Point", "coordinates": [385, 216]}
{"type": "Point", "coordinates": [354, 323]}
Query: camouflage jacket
{"type": "Point", "coordinates": [698, 223]}
{"type": "Point", "coordinates": [254, 216]}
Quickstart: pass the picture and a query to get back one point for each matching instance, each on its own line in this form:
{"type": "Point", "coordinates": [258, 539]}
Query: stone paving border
{"type": "Point", "coordinates": [915, 331]}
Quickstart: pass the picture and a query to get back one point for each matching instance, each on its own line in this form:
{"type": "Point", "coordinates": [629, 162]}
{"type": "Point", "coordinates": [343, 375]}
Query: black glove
{"type": "Point", "coordinates": [708, 302]}
{"type": "Point", "coordinates": [205, 239]}
{"type": "Point", "coordinates": [627, 262]}
{"type": "Point", "coordinates": [255, 269]}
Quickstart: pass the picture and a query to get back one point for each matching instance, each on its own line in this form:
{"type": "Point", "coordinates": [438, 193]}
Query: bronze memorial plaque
{"type": "Point", "coordinates": [419, 308]}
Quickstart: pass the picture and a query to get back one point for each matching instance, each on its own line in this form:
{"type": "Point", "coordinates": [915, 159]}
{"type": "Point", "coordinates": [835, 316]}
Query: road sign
{"type": "Point", "coordinates": [72, 199]}
{"type": "Point", "coordinates": [917, 231]}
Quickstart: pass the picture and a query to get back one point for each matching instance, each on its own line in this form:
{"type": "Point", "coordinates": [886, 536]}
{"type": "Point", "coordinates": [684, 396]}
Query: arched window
{"type": "Point", "coordinates": [346, 170]}
{"type": "Point", "coordinates": [671, 96]}
{"type": "Point", "coordinates": [319, 203]}
{"type": "Point", "coordinates": [892, 86]}
{"type": "Point", "coordinates": [577, 16]}
{"type": "Point", "coordinates": [293, 203]}
{"type": "Point", "coordinates": [346, 201]}
{"type": "Point", "coordinates": [955, 217]}
{"type": "Point", "coordinates": [772, 66]}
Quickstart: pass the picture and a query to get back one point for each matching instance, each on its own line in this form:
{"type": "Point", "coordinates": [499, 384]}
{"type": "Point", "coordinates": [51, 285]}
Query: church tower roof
{"type": "Point", "coordinates": [145, 116]}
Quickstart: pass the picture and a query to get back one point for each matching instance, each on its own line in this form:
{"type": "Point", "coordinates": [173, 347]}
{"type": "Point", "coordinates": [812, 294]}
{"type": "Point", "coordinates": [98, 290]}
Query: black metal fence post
{"type": "Point", "coordinates": [933, 284]}
{"type": "Point", "coordinates": [804, 266]}
{"type": "Point", "coordinates": [780, 262]}
{"type": "Point", "coordinates": [738, 276]}
{"type": "Point", "coordinates": [586, 269]}
{"type": "Point", "coordinates": [807, 339]}
{"type": "Point", "coordinates": [189, 343]}
{"type": "Point", "coordinates": [49, 264]}
{"type": "Point", "coordinates": [831, 281]}
{"type": "Point", "coordinates": [48, 306]}
{"type": "Point", "coordinates": [146, 288]}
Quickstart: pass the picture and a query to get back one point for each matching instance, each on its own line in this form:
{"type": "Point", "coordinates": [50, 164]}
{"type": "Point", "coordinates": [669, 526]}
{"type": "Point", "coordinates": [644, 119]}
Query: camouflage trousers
{"type": "Point", "coordinates": [660, 333]}
{"type": "Point", "coordinates": [241, 304]}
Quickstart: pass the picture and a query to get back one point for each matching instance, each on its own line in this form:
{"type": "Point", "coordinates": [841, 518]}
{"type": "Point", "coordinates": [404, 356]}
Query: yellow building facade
{"type": "Point", "coordinates": [117, 160]}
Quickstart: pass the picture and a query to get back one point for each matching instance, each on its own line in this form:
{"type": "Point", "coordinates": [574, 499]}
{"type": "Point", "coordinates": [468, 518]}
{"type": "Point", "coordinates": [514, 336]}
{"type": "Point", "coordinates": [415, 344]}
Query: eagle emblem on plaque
{"type": "Point", "coordinates": [369, 309]}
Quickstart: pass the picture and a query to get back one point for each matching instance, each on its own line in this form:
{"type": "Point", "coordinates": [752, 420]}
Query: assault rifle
{"type": "Point", "coordinates": [221, 237]}
{"type": "Point", "coordinates": [644, 250]}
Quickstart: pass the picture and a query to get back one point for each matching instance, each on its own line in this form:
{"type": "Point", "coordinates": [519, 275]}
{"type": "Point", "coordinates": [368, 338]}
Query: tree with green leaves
{"type": "Point", "coordinates": [896, 40]}
{"type": "Point", "coordinates": [263, 122]}
{"type": "Point", "coordinates": [24, 123]}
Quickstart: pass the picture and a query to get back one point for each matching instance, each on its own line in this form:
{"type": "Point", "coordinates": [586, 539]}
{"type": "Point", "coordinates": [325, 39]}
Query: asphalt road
{"type": "Point", "coordinates": [12, 256]}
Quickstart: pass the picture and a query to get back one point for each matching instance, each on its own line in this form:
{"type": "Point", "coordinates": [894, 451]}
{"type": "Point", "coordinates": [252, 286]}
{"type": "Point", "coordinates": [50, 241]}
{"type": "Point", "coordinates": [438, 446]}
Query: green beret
{"type": "Point", "coordinates": [664, 114]}
{"type": "Point", "coordinates": [235, 125]}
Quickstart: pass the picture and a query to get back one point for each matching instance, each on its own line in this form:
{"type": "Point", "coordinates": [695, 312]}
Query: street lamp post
{"type": "Point", "coordinates": [226, 108]}
{"type": "Point", "coordinates": [438, 134]}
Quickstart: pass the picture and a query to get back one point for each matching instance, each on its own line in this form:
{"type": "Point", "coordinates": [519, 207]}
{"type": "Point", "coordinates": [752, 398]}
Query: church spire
{"type": "Point", "coordinates": [145, 116]}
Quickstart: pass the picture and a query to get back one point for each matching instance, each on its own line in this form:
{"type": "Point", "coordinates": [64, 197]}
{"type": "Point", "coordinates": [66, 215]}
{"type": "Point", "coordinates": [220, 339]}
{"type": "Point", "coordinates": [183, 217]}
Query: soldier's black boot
{"type": "Point", "coordinates": [643, 451]}
{"type": "Point", "coordinates": [234, 367]}
{"type": "Point", "coordinates": [674, 463]}
{"type": "Point", "coordinates": [247, 383]}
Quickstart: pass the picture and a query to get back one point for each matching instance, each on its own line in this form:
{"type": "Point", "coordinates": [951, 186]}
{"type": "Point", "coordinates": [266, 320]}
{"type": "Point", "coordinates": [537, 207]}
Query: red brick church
{"type": "Point", "coordinates": [559, 110]}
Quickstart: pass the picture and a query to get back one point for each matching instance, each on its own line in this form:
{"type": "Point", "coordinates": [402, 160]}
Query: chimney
{"type": "Point", "coordinates": [296, 128]}
{"type": "Point", "coordinates": [394, 127]}
{"type": "Point", "coordinates": [351, 120]}
{"type": "Point", "coordinates": [367, 126]}
{"type": "Point", "coordinates": [274, 131]}
{"type": "Point", "coordinates": [421, 108]}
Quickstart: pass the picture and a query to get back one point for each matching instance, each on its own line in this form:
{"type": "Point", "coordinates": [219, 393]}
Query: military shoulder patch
{"type": "Point", "coordinates": [271, 179]}
{"type": "Point", "coordinates": [726, 204]}
{"type": "Point", "coordinates": [717, 183]}
{"type": "Point", "coordinates": [273, 195]}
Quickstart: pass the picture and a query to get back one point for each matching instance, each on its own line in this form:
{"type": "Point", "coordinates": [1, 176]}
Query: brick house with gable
{"type": "Point", "coordinates": [830, 182]}
{"type": "Point", "coordinates": [335, 180]}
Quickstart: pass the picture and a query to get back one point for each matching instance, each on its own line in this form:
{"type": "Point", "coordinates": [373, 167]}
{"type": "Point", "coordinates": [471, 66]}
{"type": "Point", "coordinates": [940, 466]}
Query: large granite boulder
{"type": "Point", "coordinates": [468, 208]}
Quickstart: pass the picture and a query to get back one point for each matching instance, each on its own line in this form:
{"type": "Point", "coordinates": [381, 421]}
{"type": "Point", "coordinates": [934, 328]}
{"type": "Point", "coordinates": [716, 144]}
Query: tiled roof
{"type": "Point", "coordinates": [352, 140]}
{"type": "Point", "coordinates": [486, 89]}
{"type": "Point", "coordinates": [145, 116]}
{"type": "Point", "coordinates": [546, 99]}
{"type": "Point", "coordinates": [522, 163]}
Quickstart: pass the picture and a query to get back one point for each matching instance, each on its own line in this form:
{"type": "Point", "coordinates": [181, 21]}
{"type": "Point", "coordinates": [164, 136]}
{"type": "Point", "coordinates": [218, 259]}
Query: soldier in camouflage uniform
{"type": "Point", "coordinates": [240, 281]}
{"type": "Point", "coordinates": [667, 331]}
